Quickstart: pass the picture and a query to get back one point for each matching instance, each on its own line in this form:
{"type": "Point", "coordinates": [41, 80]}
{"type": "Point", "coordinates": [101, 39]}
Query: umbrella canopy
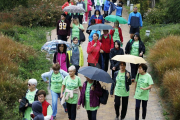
{"type": "Point", "coordinates": [114, 18]}
{"type": "Point", "coordinates": [94, 73]}
{"type": "Point", "coordinates": [129, 58]}
{"type": "Point", "coordinates": [51, 46]}
{"type": "Point", "coordinates": [74, 9]}
{"type": "Point", "coordinates": [100, 27]}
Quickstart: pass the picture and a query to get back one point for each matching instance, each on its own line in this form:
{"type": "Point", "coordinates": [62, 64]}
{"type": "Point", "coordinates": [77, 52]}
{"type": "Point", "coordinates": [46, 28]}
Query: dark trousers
{"type": "Point", "coordinates": [144, 108]}
{"type": "Point", "coordinates": [93, 65]}
{"type": "Point", "coordinates": [92, 114]}
{"type": "Point", "coordinates": [106, 61]}
{"type": "Point", "coordinates": [105, 13]}
{"type": "Point", "coordinates": [80, 19]}
{"type": "Point", "coordinates": [68, 17]}
{"type": "Point", "coordinates": [62, 37]}
{"type": "Point", "coordinates": [124, 106]}
{"type": "Point", "coordinates": [113, 84]}
{"type": "Point", "coordinates": [71, 111]}
{"type": "Point", "coordinates": [77, 68]}
{"type": "Point", "coordinates": [89, 15]}
{"type": "Point", "coordinates": [134, 69]}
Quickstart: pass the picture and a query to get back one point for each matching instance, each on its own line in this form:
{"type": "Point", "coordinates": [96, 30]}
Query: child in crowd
{"type": "Point", "coordinates": [119, 10]}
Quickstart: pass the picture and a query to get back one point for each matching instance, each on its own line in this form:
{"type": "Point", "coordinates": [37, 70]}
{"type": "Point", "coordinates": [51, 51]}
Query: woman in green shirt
{"type": "Point", "coordinates": [72, 83]}
{"type": "Point", "coordinates": [143, 84]}
{"type": "Point", "coordinates": [76, 27]}
{"type": "Point", "coordinates": [123, 80]}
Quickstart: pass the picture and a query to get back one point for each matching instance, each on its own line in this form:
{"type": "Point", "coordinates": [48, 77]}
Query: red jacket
{"type": "Point", "coordinates": [65, 5]}
{"type": "Point", "coordinates": [93, 52]}
{"type": "Point", "coordinates": [120, 33]}
{"type": "Point", "coordinates": [45, 105]}
{"type": "Point", "coordinates": [107, 44]}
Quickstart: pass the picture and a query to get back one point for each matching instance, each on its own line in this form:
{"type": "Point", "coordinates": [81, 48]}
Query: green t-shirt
{"type": "Point", "coordinates": [56, 83]}
{"type": "Point", "coordinates": [71, 85]}
{"type": "Point", "coordinates": [87, 98]}
{"type": "Point", "coordinates": [135, 48]}
{"type": "Point", "coordinates": [98, 3]}
{"type": "Point", "coordinates": [104, 1]}
{"type": "Point", "coordinates": [75, 30]}
{"type": "Point", "coordinates": [143, 82]}
{"type": "Point", "coordinates": [120, 89]}
{"type": "Point", "coordinates": [30, 96]}
{"type": "Point", "coordinates": [116, 35]}
{"type": "Point", "coordinates": [49, 110]}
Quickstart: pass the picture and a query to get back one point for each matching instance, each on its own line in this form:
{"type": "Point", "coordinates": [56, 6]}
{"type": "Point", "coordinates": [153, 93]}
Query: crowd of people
{"type": "Point", "coordinates": [63, 79]}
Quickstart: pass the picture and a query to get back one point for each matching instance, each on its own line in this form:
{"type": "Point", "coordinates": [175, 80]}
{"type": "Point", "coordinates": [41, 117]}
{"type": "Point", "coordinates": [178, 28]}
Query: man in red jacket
{"type": "Point", "coordinates": [107, 44]}
{"type": "Point", "coordinates": [63, 28]}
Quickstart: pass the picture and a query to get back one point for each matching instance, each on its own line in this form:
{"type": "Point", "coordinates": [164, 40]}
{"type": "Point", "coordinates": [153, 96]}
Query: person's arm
{"type": "Point", "coordinates": [62, 90]}
{"type": "Point", "coordinates": [147, 88]}
{"type": "Point", "coordinates": [57, 27]}
{"type": "Point", "coordinates": [127, 48]}
{"type": "Point", "coordinates": [90, 20]}
{"type": "Point", "coordinates": [54, 58]}
{"type": "Point", "coordinates": [113, 84]}
{"type": "Point", "coordinates": [45, 75]}
{"type": "Point", "coordinates": [129, 19]}
{"type": "Point", "coordinates": [112, 43]}
{"type": "Point", "coordinates": [135, 87]}
{"type": "Point", "coordinates": [49, 113]}
{"type": "Point", "coordinates": [102, 20]}
{"type": "Point", "coordinates": [81, 27]}
{"type": "Point", "coordinates": [65, 4]}
{"type": "Point", "coordinates": [111, 33]}
{"type": "Point", "coordinates": [110, 57]}
{"type": "Point", "coordinates": [90, 48]}
{"type": "Point", "coordinates": [140, 20]}
{"type": "Point", "coordinates": [120, 35]}
{"type": "Point", "coordinates": [129, 79]}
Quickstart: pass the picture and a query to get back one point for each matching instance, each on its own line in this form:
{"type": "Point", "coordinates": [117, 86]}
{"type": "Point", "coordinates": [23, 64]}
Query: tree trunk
{"type": "Point", "coordinates": [152, 3]}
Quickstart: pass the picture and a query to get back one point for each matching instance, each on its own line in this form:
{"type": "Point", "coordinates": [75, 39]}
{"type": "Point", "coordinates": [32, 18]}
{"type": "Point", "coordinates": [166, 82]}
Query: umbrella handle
{"type": "Point", "coordinates": [104, 87]}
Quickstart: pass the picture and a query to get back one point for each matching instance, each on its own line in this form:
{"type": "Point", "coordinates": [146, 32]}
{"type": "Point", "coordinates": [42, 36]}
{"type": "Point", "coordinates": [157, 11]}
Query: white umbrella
{"type": "Point", "coordinates": [74, 9]}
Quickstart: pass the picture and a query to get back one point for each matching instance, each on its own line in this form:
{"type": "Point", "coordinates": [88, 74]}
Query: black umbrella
{"type": "Point", "coordinates": [22, 104]}
{"type": "Point", "coordinates": [94, 73]}
{"type": "Point", "coordinates": [100, 27]}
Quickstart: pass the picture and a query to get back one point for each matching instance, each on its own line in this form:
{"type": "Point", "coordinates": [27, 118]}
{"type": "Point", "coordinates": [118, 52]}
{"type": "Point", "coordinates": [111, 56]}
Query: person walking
{"type": "Point", "coordinates": [46, 107]}
{"type": "Point", "coordinates": [93, 50]}
{"type": "Point", "coordinates": [134, 22]}
{"type": "Point", "coordinates": [37, 110]}
{"type": "Point", "coordinates": [122, 79]}
{"type": "Point", "coordinates": [119, 10]}
{"type": "Point", "coordinates": [69, 15]}
{"type": "Point", "coordinates": [106, 8]}
{"type": "Point", "coordinates": [61, 57]}
{"type": "Point", "coordinates": [135, 47]}
{"type": "Point", "coordinates": [63, 28]}
{"type": "Point", "coordinates": [88, 8]}
{"type": "Point", "coordinates": [76, 55]}
{"type": "Point", "coordinates": [117, 33]}
{"type": "Point", "coordinates": [98, 4]}
{"type": "Point", "coordinates": [72, 85]}
{"type": "Point", "coordinates": [107, 44]}
{"type": "Point", "coordinates": [76, 27]}
{"type": "Point", "coordinates": [80, 4]}
{"type": "Point", "coordinates": [98, 17]}
{"type": "Point", "coordinates": [90, 93]}
{"type": "Point", "coordinates": [56, 77]}
{"type": "Point", "coordinates": [143, 85]}
{"type": "Point", "coordinates": [31, 96]}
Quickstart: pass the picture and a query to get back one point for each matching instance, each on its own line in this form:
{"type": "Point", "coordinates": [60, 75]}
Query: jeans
{"type": "Point", "coordinates": [54, 102]}
{"type": "Point", "coordinates": [98, 7]}
{"type": "Point", "coordinates": [144, 108]}
{"type": "Point", "coordinates": [92, 114]}
{"type": "Point", "coordinates": [71, 111]}
{"type": "Point", "coordinates": [124, 106]}
{"type": "Point", "coordinates": [134, 69]}
{"type": "Point", "coordinates": [77, 68]}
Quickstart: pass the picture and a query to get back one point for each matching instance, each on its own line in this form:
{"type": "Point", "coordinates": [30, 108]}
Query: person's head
{"type": "Point", "coordinates": [75, 40]}
{"type": "Point", "coordinates": [72, 70]}
{"type": "Point", "coordinates": [119, 5]}
{"type": "Point", "coordinates": [63, 16]}
{"type": "Point", "coordinates": [116, 24]}
{"type": "Point", "coordinates": [41, 96]}
{"type": "Point", "coordinates": [36, 108]}
{"type": "Point", "coordinates": [122, 66]}
{"type": "Point", "coordinates": [95, 36]}
{"type": "Point", "coordinates": [69, 1]}
{"type": "Point", "coordinates": [105, 31]}
{"type": "Point", "coordinates": [135, 9]}
{"type": "Point", "coordinates": [137, 36]}
{"type": "Point", "coordinates": [62, 48]}
{"type": "Point", "coordinates": [56, 68]}
{"type": "Point", "coordinates": [76, 21]}
{"type": "Point", "coordinates": [142, 68]}
{"type": "Point", "coordinates": [32, 83]}
{"type": "Point", "coordinates": [93, 21]}
{"type": "Point", "coordinates": [117, 44]}
{"type": "Point", "coordinates": [97, 12]}
{"type": "Point", "coordinates": [88, 80]}
{"type": "Point", "coordinates": [79, 0]}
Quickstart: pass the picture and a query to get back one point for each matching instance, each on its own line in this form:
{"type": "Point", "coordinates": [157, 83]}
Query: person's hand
{"type": "Point", "coordinates": [114, 68]}
{"type": "Point", "coordinates": [95, 44]}
{"type": "Point", "coordinates": [20, 100]}
{"type": "Point", "coordinates": [141, 54]}
{"type": "Point", "coordinates": [101, 51]}
{"type": "Point", "coordinates": [128, 75]}
{"type": "Point", "coordinates": [92, 87]}
{"type": "Point", "coordinates": [47, 81]}
{"type": "Point", "coordinates": [61, 96]}
{"type": "Point", "coordinates": [78, 107]}
{"type": "Point", "coordinates": [26, 105]}
{"type": "Point", "coordinates": [143, 88]}
{"type": "Point", "coordinates": [129, 26]}
{"type": "Point", "coordinates": [67, 37]}
{"type": "Point", "coordinates": [111, 95]}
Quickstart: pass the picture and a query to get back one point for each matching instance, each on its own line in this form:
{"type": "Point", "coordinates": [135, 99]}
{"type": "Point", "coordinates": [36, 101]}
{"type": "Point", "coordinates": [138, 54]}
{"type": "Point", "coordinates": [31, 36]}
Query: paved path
{"type": "Point", "coordinates": [107, 112]}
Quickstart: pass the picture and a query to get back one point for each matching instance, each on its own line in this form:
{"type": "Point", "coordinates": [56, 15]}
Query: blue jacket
{"type": "Point", "coordinates": [98, 20]}
{"type": "Point", "coordinates": [112, 7]}
{"type": "Point", "coordinates": [37, 110]}
{"type": "Point", "coordinates": [135, 20]}
{"type": "Point", "coordinates": [106, 5]}
{"type": "Point", "coordinates": [91, 34]}
{"type": "Point", "coordinates": [119, 11]}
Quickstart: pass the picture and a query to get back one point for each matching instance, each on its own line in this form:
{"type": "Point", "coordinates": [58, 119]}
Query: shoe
{"type": "Point", "coordinates": [116, 118]}
{"type": "Point", "coordinates": [66, 110]}
{"type": "Point", "coordinates": [54, 117]}
{"type": "Point", "coordinates": [132, 80]}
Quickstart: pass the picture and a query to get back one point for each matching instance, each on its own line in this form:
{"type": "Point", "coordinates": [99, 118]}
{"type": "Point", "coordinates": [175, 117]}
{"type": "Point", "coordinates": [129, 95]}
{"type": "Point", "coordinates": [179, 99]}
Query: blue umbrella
{"type": "Point", "coordinates": [51, 46]}
{"type": "Point", "coordinates": [94, 73]}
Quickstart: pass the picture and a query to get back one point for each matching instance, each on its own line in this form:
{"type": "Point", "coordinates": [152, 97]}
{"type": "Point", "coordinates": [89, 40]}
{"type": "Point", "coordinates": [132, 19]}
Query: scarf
{"type": "Point", "coordinates": [75, 46]}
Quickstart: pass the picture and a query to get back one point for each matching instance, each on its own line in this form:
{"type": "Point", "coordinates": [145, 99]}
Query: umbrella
{"type": "Point", "coordinates": [129, 58]}
{"type": "Point", "coordinates": [94, 73]}
{"type": "Point", "coordinates": [50, 46]}
{"type": "Point", "coordinates": [74, 9]}
{"type": "Point", "coordinates": [114, 18]}
{"type": "Point", "coordinates": [100, 27]}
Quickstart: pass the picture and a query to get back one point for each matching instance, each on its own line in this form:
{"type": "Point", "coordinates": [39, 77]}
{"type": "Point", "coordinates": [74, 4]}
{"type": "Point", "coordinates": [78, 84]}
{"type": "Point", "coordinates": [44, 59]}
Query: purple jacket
{"type": "Point", "coordinates": [94, 95]}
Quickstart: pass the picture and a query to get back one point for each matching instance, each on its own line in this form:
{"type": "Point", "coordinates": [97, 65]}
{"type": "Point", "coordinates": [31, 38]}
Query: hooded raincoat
{"type": "Point", "coordinates": [37, 110]}
{"type": "Point", "coordinates": [98, 19]}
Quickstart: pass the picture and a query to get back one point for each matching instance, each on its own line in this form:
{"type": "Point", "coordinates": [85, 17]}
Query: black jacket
{"type": "Point", "coordinates": [129, 47]}
{"type": "Point", "coordinates": [37, 110]}
{"type": "Point", "coordinates": [127, 81]}
{"type": "Point", "coordinates": [113, 53]}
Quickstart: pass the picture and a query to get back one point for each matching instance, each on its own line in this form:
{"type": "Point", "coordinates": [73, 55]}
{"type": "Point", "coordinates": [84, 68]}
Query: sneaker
{"type": "Point", "coordinates": [66, 110]}
{"type": "Point", "coordinates": [116, 118]}
{"type": "Point", "coordinates": [54, 117]}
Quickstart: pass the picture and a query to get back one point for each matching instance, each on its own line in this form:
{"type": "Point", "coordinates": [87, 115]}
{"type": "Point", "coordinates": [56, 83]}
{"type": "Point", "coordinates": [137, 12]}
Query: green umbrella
{"type": "Point", "coordinates": [114, 18]}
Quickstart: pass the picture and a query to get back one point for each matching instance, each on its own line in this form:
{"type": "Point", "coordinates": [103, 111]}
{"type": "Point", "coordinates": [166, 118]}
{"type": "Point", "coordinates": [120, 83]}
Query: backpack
{"type": "Point", "coordinates": [104, 98]}
{"type": "Point", "coordinates": [109, 37]}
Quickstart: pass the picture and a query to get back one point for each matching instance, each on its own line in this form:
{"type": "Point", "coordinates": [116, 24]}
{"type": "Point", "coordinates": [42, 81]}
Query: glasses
{"type": "Point", "coordinates": [40, 96]}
